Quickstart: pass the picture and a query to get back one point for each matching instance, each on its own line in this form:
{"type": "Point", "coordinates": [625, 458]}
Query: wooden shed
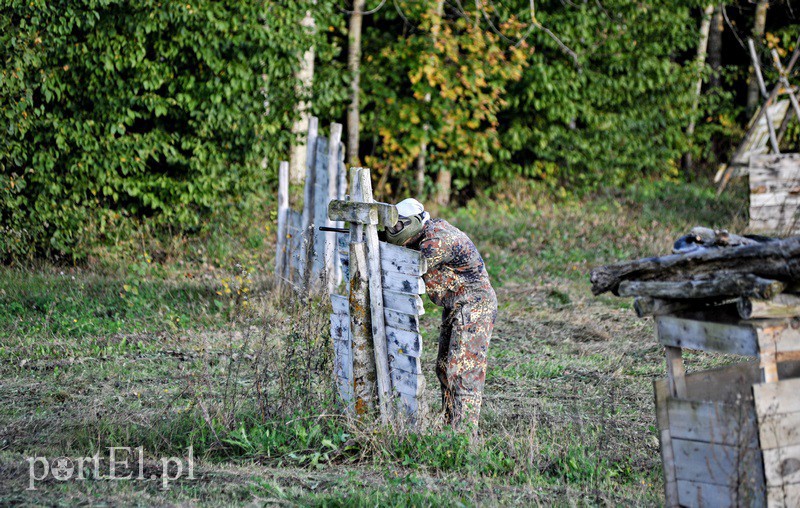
{"type": "Point", "coordinates": [775, 194]}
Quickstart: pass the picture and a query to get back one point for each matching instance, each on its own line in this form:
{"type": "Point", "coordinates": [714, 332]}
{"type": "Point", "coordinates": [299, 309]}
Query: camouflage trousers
{"type": "Point", "coordinates": [461, 362]}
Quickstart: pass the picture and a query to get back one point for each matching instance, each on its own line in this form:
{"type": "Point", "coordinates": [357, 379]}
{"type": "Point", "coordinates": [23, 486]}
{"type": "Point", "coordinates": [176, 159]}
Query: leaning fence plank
{"type": "Point", "coordinates": [363, 352]}
{"type": "Point", "coordinates": [376, 302]}
{"type": "Point", "coordinates": [332, 269]}
{"type": "Point", "coordinates": [283, 210]}
{"type": "Point", "coordinates": [308, 192]}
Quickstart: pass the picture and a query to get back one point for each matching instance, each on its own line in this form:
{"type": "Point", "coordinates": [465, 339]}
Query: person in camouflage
{"type": "Point", "coordinates": [457, 281]}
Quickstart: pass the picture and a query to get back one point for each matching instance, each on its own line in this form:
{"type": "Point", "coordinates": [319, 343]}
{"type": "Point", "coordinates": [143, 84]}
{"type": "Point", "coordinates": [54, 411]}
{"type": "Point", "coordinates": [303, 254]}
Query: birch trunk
{"type": "Point", "coordinates": [305, 76]}
{"type": "Point", "coordinates": [715, 46]}
{"type": "Point", "coordinates": [423, 149]}
{"type": "Point", "coordinates": [758, 32]}
{"type": "Point", "coordinates": [700, 60]}
{"type": "Point", "coordinates": [354, 66]}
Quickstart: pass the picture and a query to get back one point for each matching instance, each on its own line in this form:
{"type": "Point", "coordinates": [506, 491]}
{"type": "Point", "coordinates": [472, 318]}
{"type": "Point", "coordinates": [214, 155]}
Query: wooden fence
{"type": "Point", "coordinates": [375, 326]}
{"type": "Point", "coordinates": [303, 253]}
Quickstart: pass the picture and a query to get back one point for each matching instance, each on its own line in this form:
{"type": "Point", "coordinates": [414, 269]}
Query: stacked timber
{"type": "Point", "coordinates": [728, 436]}
{"type": "Point", "coordinates": [709, 268]}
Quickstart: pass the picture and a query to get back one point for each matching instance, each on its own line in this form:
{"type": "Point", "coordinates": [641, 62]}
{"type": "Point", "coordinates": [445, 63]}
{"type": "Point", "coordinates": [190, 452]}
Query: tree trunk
{"type": "Point", "coordinates": [305, 76]}
{"type": "Point", "coordinates": [700, 60]}
{"type": "Point", "coordinates": [715, 46]}
{"type": "Point", "coordinates": [443, 186]}
{"type": "Point", "coordinates": [354, 66]}
{"type": "Point", "coordinates": [758, 33]}
{"type": "Point", "coordinates": [423, 149]}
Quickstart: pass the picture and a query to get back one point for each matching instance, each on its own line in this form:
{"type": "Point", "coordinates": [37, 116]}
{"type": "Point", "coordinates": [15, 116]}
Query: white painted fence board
{"type": "Point", "coordinates": [715, 463]}
{"type": "Point", "coordinates": [408, 405]}
{"type": "Point", "coordinates": [400, 259]}
{"type": "Point", "coordinates": [403, 283]}
{"type": "Point", "coordinates": [320, 213]}
{"type": "Point", "coordinates": [340, 305]}
{"type": "Point", "coordinates": [335, 158]}
{"type": "Point", "coordinates": [706, 335]}
{"type": "Point", "coordinates": [401, 321]}
{"type": "Point", "coordinates": [782, 465]}
{"type": "Point", "coordinates": [409, 304]}
{"type": "Point", "coordinates": [785, 496]}
{"type": "Point", "coordinates": [406, 383]}
{"type": "Point", "coordinates": [340, 326]}
{"type": "Point", "coordinates": [713, 422]}
{"type": "Point", "coordinates": [404, 342]}
{"type": "Point", "coordinates": [695, 494]}
{"type": "Point", "coordinates": [403, 362]}
{"type": "Point", "coordinates": [777, 398]}
{"type": "Point", "coordinates": [307, 217]}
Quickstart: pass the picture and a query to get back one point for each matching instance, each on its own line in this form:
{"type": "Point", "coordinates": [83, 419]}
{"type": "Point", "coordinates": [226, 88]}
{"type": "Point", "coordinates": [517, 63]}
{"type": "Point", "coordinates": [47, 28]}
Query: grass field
{"type": "Point", "coordinates": [158, 352]}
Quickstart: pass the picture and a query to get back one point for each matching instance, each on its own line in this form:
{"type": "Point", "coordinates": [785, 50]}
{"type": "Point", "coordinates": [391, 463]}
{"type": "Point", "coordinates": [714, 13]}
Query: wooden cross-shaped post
{"type": "Point", "coordinates": [366, 289]}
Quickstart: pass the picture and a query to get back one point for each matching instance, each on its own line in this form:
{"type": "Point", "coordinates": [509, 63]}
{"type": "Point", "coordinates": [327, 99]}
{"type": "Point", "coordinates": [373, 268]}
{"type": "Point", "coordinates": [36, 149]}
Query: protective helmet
{"type": "Point", "coordinates": [405, 229]}
{"type": "Point", "coordinates": [412, 217]}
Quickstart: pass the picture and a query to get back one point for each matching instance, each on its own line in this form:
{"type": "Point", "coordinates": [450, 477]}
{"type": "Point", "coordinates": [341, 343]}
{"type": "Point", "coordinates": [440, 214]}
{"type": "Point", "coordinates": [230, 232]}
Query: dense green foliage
{"type": "Point", "coordinates": [121, 116]}
{"type": "Point", "coordinates": [117, 109]}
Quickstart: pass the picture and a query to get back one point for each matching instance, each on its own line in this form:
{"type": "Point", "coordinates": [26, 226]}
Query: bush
{"type": "Point", "coordinates": [115, 110]}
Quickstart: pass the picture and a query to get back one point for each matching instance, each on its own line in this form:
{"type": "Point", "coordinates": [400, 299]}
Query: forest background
{"type": "Point", "coordinates": [121, 117]}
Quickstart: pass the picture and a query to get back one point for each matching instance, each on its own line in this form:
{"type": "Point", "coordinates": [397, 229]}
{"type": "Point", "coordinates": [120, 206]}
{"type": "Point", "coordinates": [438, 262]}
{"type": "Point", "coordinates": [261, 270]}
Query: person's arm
{"type": "Point", "coordinates": [436, 251]}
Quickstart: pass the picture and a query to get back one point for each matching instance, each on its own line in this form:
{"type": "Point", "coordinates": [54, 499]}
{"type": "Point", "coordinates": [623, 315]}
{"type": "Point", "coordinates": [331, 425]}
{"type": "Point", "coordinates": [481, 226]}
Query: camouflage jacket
{"type": "Point", "coordinates": [456, 272]}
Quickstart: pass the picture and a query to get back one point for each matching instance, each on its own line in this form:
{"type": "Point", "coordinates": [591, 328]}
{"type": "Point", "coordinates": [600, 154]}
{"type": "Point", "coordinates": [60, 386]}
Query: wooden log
{"type": "Point", "coordinates": [718, 286]}
{"type": "Point", "coordinates": [772, 260]}
{"type": "Point", "coordinates": [283, 208]}
{"type": "Point", "coordinates": [648, 306]}
{"type": "Point", "coordinates": [364, 213]}
{"type": "Point", "coordinates": [360, 331]}
{"type": "Point", "coordinates": [783, 305]}
{"type": "Point", "coordinates": [376, 304]}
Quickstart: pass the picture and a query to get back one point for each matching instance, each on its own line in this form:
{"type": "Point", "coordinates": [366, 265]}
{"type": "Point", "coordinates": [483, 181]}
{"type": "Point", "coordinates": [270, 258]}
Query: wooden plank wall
{"type": "Point", "coordinates": [402, 270]}
{"type": "Point", "coordinates": [305, 256]}
{"type": "Point", "coordinates": [709, 439]}
{"type": "Point", "coordinates": [775, 194]}
{"type": "Point", "coordinates": [778, 410]}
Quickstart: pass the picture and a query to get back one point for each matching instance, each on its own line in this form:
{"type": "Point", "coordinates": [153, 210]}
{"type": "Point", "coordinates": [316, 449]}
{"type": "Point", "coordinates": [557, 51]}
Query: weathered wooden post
{"type": "Point", "coordinates": [283, 210]}
{"type": "Point", "coordinates": [364, 215]}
